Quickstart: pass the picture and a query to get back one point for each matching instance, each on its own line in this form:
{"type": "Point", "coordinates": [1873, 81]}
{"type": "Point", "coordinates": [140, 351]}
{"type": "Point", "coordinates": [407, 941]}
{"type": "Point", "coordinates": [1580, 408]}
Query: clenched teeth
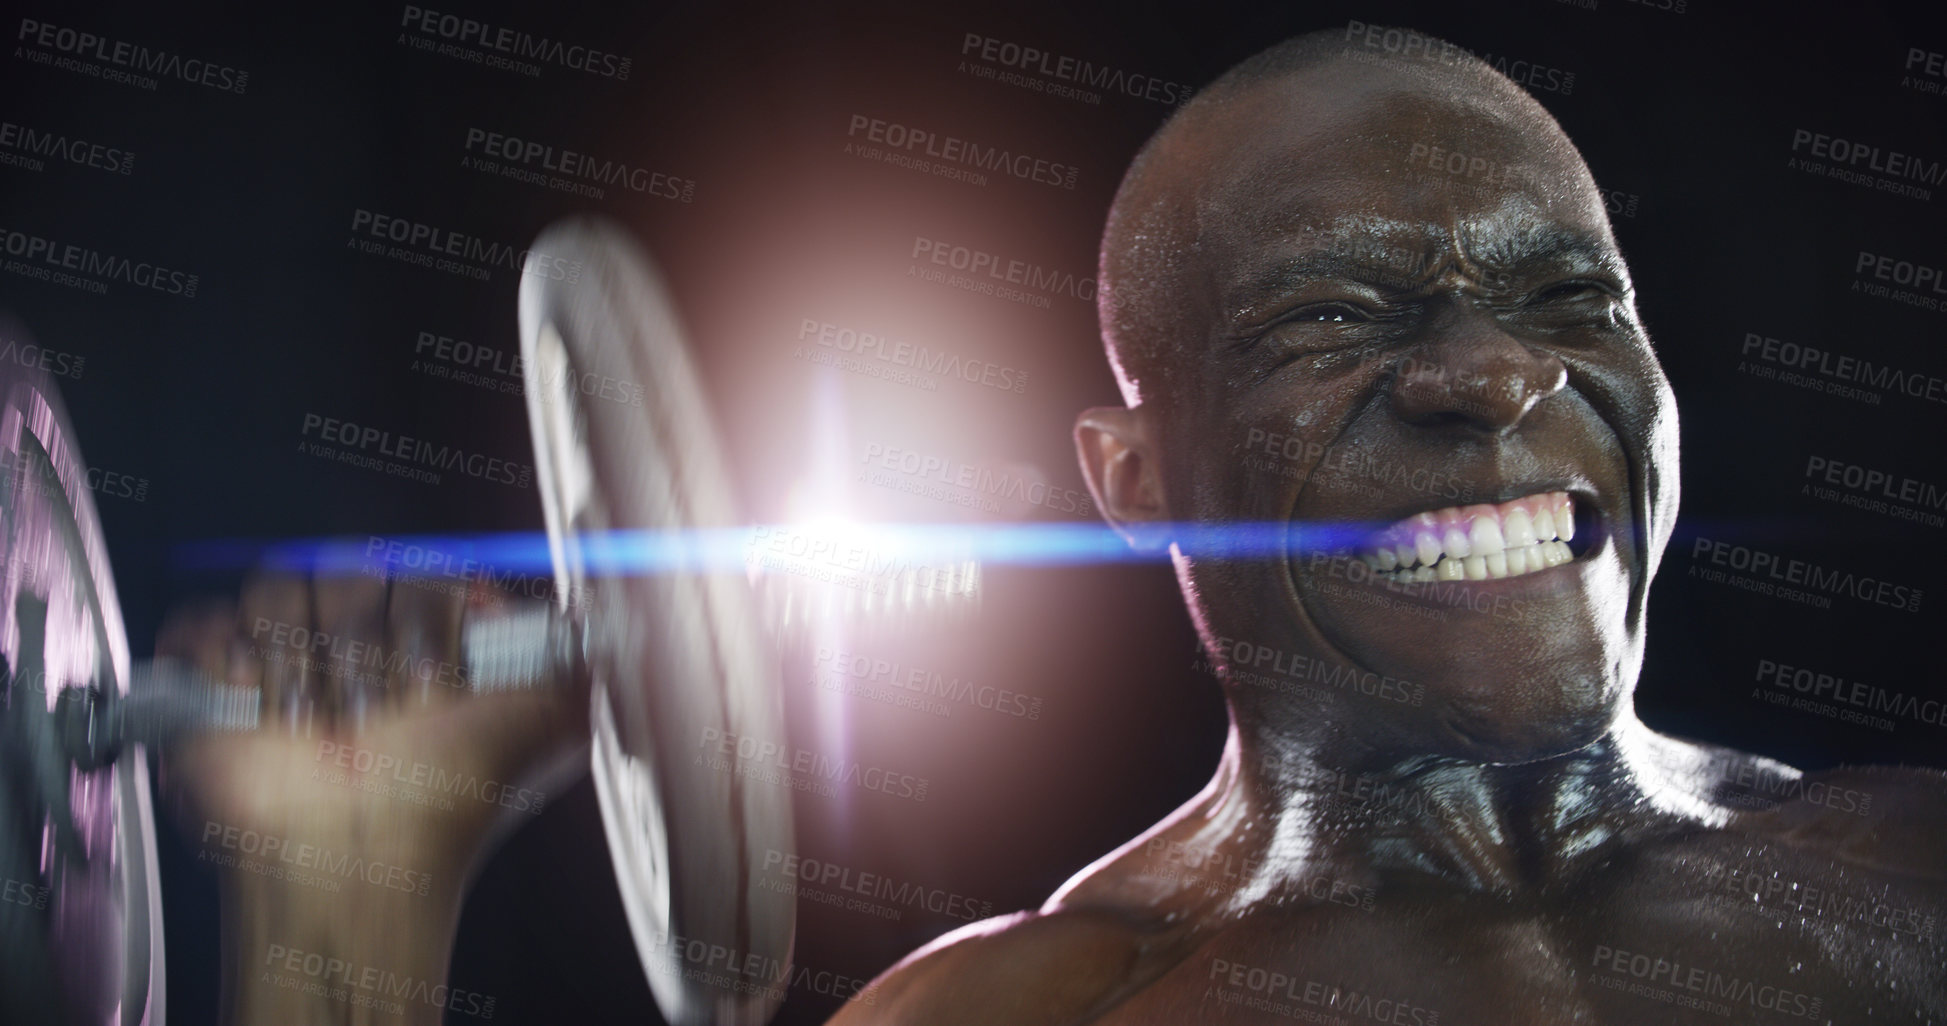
{"type": "Point", "coordinates": [1476, 543]}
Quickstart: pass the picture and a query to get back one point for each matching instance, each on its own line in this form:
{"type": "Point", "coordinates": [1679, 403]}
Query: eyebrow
{"type": "Point", "coordinates": [1379, 255]}
{"type": "Point", "coordinates": [1547, 244]}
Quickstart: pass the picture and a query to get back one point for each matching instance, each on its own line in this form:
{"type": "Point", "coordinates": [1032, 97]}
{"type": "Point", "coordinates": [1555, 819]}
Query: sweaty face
{"type": "Point", "coordinates": [1410, 335]}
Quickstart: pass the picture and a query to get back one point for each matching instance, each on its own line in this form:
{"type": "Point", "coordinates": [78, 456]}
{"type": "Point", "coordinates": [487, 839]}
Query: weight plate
{"type": "Point", "coordinates": [623, 440]}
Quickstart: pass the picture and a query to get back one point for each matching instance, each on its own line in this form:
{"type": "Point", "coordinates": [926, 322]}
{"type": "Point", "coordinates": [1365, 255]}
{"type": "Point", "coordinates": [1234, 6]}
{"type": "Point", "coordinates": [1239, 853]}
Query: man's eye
{"type": "Point", "coordinates": [1569, 291]}
{"type": "Point", "coordinates": [1316, 328]}
{"type": "Point", "coordinates": [1328, 313]}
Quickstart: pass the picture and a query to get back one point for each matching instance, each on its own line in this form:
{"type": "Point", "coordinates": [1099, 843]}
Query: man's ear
{"type": "Point", "coordinates": [1119, 459]}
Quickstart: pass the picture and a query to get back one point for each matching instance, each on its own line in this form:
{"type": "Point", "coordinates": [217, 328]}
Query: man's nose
{"type": "Point", "coordinates": [1474, 374]}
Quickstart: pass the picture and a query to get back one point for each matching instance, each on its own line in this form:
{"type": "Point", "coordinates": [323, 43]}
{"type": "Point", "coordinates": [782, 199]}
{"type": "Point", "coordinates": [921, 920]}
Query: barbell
{"type": "Point", "coordinates": [668, 657]}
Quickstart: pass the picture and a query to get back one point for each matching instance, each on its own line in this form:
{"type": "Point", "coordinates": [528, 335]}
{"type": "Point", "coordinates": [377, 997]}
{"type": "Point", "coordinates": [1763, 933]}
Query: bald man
{"type": "Point", "coordinates": [1366, 280]}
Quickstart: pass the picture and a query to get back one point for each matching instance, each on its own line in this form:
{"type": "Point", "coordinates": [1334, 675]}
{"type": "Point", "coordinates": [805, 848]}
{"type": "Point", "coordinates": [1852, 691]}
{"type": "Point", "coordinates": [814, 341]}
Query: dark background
{"type": "Point", "coordinates": [1691, 113]}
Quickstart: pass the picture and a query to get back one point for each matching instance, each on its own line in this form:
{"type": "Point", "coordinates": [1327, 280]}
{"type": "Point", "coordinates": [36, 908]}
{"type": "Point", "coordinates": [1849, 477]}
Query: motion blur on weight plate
{"type": "Point", "coordinates": [924, 514]}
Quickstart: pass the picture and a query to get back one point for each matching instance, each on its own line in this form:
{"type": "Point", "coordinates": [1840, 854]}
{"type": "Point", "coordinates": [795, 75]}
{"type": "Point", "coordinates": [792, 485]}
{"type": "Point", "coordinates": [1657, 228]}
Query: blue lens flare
{"type": "Point", "coordinates": [630, 552]}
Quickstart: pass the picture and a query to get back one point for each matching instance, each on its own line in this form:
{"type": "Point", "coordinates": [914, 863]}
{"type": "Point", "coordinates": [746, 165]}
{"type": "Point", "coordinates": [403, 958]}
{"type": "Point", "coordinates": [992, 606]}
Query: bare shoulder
{"type": "Point", "coordinates": [1892, 819]}
{"type": "Point", "coordinates": [1104, 934]}
{"type": "Point", "coordinates": [1049, 967]}
{"type": "Point", "coordinates": [1886, 818]}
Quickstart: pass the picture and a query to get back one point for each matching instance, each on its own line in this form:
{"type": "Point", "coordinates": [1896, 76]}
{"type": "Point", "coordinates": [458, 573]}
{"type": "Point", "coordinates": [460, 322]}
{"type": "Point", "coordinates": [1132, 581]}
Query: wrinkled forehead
{"type": "Point", "coordinates": [1394, 165]}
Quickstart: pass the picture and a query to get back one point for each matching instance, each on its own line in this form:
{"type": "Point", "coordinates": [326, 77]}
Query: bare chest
{"type": "Point", "coordinates": [1695, 936]}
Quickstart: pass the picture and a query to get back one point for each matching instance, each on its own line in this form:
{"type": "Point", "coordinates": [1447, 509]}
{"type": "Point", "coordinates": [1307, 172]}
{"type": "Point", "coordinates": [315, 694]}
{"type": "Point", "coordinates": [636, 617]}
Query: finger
{"type": "Point", "coordinates": [423, 624]}
{"type": "Point", "coordinates": [200, 634]}
{"type": "Point", "coordinates": [350, 661]}
{"type": "Point", "coordinates": [276, 626]}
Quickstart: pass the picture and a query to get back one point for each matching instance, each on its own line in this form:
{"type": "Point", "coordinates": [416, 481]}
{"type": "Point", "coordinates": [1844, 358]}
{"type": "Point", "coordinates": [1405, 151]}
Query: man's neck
{"type": "Point", "coordinates": [1488, 827]}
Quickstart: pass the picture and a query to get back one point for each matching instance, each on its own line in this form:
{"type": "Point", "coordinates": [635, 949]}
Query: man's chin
{"type": "Point", "coordinates": [1517, 670]}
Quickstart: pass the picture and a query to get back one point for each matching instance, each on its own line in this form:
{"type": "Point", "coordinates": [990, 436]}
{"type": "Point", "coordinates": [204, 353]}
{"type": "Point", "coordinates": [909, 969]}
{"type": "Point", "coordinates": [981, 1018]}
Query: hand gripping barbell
{"type": "Point", "coordinates": [668, 657]}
